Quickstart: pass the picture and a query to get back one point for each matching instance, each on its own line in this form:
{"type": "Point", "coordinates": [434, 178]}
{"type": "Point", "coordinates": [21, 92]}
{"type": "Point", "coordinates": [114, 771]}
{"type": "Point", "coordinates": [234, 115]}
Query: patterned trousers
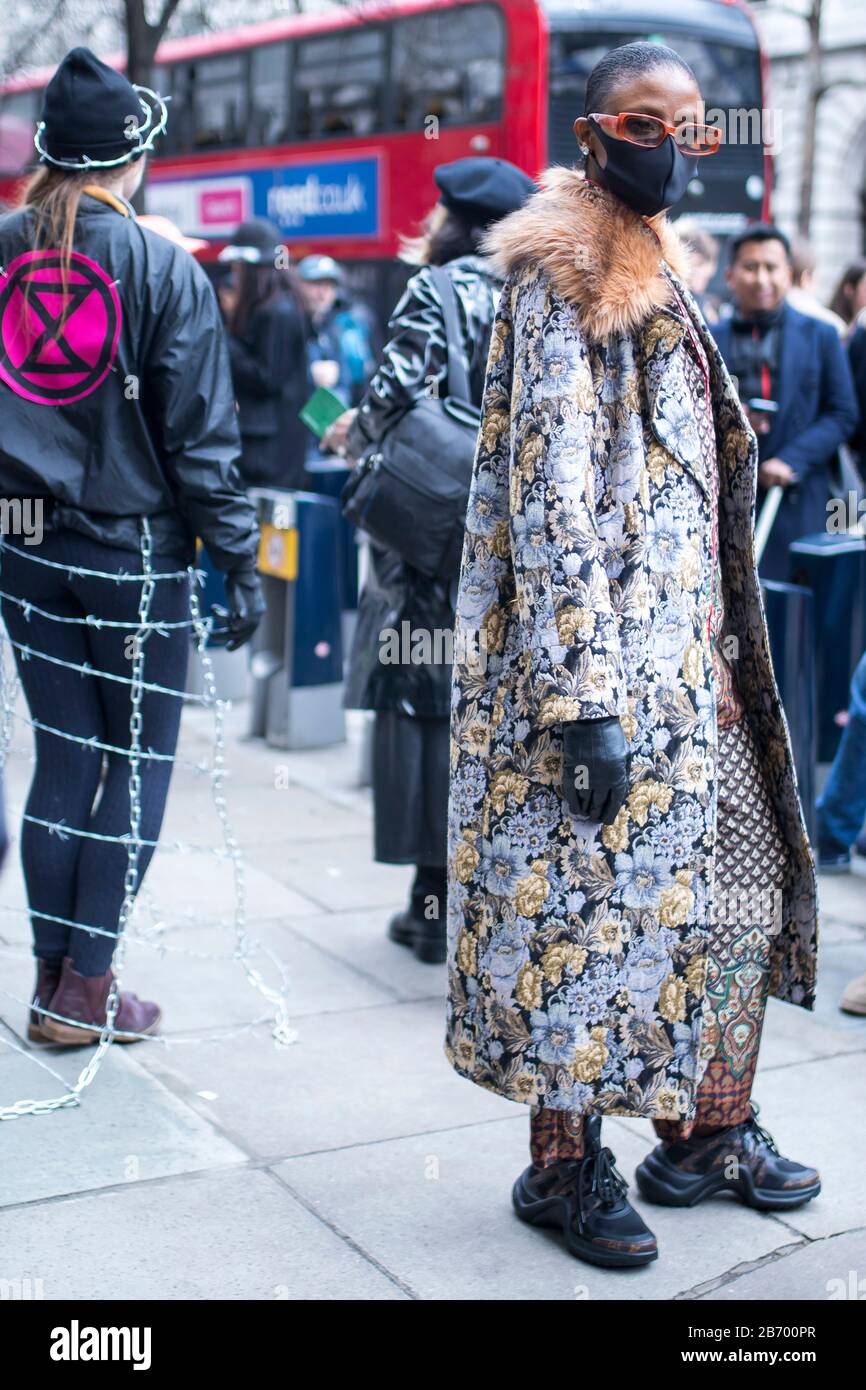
{"type": "Point", "coordinates": [751, 861]}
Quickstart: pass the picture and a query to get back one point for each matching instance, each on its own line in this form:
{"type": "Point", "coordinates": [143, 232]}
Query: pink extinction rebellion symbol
{"type": "Point", "coordinates": [58, 329]}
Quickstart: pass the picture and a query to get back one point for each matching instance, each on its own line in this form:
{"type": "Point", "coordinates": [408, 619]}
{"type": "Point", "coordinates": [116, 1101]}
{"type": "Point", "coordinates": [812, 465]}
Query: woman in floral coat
{"type": "Point", "coordinates": [629, 871]}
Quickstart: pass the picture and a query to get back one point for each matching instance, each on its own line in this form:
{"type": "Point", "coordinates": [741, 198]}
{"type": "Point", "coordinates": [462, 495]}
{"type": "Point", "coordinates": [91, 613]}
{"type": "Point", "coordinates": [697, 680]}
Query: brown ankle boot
{"type": "Point", "coordinates": [47, 980]}
{"type": "Point", "coordinates": [84, 998]}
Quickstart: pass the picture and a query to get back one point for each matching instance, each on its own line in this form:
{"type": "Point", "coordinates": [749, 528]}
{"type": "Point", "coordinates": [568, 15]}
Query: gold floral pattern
{"type": "Point", "coordinates": [584, 987]}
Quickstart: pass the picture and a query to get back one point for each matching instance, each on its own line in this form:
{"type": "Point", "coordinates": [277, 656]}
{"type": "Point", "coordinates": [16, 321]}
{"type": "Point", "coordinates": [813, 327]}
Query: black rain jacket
{"type": "Point", "coordinates": [395, 593]}
{"type": "Point", "coordinates": [154, 429]}
{"type": "Point", "coordinates": [272, 381]}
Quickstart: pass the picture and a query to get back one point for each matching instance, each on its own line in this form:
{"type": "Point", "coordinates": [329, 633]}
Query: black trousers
{"type": "Point", "coordinates": [410, 790]}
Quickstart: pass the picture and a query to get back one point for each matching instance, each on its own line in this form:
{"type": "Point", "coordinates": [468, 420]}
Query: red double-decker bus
{"type": "Point", "coordinates": [332, 124]}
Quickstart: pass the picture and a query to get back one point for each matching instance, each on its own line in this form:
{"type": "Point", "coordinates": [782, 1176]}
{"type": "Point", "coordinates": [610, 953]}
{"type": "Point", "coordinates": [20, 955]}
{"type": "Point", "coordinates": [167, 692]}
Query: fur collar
{"type": "Point", "coordinates": [597, 253]}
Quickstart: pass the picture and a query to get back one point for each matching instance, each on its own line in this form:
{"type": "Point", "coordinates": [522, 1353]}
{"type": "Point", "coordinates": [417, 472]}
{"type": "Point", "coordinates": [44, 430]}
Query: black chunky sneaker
{"type": "Point", "coordinates": [743, 1159]}
{"type": "Point", "coordinates": [585, 1198]}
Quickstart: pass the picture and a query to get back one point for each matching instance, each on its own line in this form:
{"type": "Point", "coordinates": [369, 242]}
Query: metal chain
{"type": "Point", "coordinates": [133, 849]}
{"type": "Point", "coordinates": [282, 1031]}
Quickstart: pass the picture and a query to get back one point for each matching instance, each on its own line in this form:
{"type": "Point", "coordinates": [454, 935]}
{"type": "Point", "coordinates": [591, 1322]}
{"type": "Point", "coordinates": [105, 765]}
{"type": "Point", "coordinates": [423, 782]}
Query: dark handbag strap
{"type": "Point", "coordinates": [457, 380]}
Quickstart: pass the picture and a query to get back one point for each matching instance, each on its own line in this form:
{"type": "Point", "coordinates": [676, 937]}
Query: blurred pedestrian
{"type": "Point", "coordinates": [629, 870]}
{"type": "Point", "coordinates": [841, 806]}
{"type": "Point", "coordinates": [794, 382]}
{"type": "Point", "coordinates": [268, 329]}
{"type": "Point", "coordinates": [841, 809]}
{"type": "Point", "coordinates": [802, 295]}
{"type": "Point", "coordinates": [849, 296]}
{"type": "Point", "coordinates": [117, 420]}
{"type": "Point", "coordinates": [319, 278]}
{"type": "Point", "coordinates": [412, 699]}
{"type": "Point", "coordinates": [857, 360]}
{"type": "Point", "coordinates": [343, 328]}
{"type": "Point", "coordinates": [356, 326]}
{"type": "Point", "coordinates": [703, 252]}
{"type": "Point", "coordinates": [164, 226]}
{"type": "Point", "coordinates": [4, 834]}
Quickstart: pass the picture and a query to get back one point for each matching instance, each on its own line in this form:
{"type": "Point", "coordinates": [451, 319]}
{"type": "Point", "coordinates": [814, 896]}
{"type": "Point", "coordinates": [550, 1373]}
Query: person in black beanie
{"type": "Point", "coordinates": [94, 117]}
{"type": "Point", "coordinates": [268, 331]}
{"type": "Point", "coordinates": [117, 419]}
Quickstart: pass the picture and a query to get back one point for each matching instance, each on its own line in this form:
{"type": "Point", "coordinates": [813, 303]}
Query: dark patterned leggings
{"type": "Point", "coordinates": [80, 878]}
{"type": "Point", "coordinates": [750, 868]}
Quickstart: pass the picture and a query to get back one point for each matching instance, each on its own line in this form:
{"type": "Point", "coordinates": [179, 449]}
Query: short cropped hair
{"type": "Point", "coordinates": [758, 231]}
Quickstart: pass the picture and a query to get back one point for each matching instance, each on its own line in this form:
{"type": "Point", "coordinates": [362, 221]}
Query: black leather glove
{"type": "Point", "coordinates": [594, 768]}
{"type": "Point", "coordinates": [237, 624]}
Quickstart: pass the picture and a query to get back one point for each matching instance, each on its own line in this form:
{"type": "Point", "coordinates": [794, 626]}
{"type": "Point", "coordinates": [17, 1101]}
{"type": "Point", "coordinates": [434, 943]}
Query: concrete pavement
{"type": "Point", "coordinates": [355, 1163]}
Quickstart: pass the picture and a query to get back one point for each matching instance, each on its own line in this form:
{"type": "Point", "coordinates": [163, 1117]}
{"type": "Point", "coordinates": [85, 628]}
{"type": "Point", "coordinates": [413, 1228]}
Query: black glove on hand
{"type": "Point", "coordinates": [594, 768]}
{"type": "Point", "coordinates": [245, 611]}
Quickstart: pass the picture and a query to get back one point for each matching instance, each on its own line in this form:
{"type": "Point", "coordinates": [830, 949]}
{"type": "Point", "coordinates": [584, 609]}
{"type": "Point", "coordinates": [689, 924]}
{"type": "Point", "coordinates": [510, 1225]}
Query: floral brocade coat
{"type": "Point", "coordinates": [578, 951]}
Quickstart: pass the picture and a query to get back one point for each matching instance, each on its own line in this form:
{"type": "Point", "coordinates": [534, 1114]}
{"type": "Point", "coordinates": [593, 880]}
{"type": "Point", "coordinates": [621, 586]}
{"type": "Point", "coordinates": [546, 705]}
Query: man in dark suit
{"type": "Point", "coordinates": [857, 359]}
{"type": "Point", "coordinates": [794, 371]}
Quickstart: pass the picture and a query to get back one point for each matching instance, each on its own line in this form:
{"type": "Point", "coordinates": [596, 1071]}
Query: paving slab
{"type": "Point", "coordinates": [839, 963]}
{"type": "Point", "coordinates": [127, 1127]}
{"type": "Point", "coordinates": [835, 931]}
{"type": "Point", "coordinates": [353, 1078]}
{"type": "Point", "coordinates": [406, 1167]}
{"type": "Point", "coordinates": [795, 1035]}
{"type": "Point", "coordinates": [826, 1270]}
{"type": "Point", "coordinates": [260, 812]}
{"type": "Point", "coordinates": [213, 992]}
{"type": "Point", "coordinates": [183, 888]}
{"type": "Point", "coordinates": [339, 876]}
{"type": "Point", "coordinates": [436, 1208]}
{"type": "Point", "coordinates": [237, 1235]}
{"type": "Point", "coordinates": [203, 885]}
{"type": "Point", "coordinates": [815, 1113]}
{"type": "Point", "coordinates": [332, 770]}
{"type": "Point", "coordinates": [843, 896]}
{"type": "Point", "coordinates": [359, 939]}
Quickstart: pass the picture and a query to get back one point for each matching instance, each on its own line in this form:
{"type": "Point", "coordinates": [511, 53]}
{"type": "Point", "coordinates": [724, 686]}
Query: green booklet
{"type": "Point", "coordinates": [321, 410]}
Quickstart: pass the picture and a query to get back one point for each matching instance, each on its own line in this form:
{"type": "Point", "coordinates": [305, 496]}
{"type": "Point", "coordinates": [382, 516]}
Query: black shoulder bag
{"type": "Point", "coordinates": [409, 492]}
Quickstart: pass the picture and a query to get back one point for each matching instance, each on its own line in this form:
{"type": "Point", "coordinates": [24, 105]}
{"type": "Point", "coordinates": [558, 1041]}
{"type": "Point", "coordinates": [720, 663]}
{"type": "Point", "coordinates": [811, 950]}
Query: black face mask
{"type": "Point", "coordinates": [647, 179]}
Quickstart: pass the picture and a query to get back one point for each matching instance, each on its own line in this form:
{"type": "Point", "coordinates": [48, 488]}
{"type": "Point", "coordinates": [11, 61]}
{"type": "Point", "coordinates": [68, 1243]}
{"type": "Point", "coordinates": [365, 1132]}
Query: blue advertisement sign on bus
{"type": "Point", "coordinates": [306, 199]}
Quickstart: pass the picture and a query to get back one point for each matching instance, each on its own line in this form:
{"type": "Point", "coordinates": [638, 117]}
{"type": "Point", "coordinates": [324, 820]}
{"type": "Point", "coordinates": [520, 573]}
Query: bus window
{"type": "Point", "coordinates": [269, 94]}
{"type": "Point", "coordinates": [728, 75]}
{"type": "Point", "coordinates": [450, 65]}
{"type": "Point", "coordinates": [340, 84]}
{"type": "Point", "coordinates": [209, 104]}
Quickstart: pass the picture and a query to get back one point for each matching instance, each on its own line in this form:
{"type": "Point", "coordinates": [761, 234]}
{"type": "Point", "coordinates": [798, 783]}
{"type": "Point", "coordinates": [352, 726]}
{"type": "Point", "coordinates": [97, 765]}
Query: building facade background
{"type": "Point", "coordinates": [838, 221]}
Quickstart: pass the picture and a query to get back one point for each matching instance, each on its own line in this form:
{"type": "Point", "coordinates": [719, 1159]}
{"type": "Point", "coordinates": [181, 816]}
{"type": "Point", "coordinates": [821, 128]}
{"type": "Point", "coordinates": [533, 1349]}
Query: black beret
{"type": "Point", "coordinates": [89, 109]}
{"type": "Point", "coordinates": [482, 188]}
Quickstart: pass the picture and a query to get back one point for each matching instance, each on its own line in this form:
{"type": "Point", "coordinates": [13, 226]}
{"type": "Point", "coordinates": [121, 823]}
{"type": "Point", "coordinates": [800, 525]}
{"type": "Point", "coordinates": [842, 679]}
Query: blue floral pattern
{"type": "Point", "coordinates": [578, 951]}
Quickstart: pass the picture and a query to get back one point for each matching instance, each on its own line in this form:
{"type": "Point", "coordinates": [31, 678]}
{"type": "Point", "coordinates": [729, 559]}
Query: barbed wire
{"type": "Point", "coordinates": [27, 608]}
{"type": "Point", "coordinates": [84, 668]}
{"type": "Point", "coordinates": [63, 831]}
{"type": "Point", "coordinates": [118, 577]}
{"type": "Point", "coordinates": [246, 948]}
{"type": "Point", "coordinates": [115, 748]}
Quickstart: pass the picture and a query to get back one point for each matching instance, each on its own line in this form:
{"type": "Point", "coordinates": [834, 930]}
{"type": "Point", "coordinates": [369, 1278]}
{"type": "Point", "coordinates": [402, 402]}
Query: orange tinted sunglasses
{"type": "Point", "coordinates": [651, 131]}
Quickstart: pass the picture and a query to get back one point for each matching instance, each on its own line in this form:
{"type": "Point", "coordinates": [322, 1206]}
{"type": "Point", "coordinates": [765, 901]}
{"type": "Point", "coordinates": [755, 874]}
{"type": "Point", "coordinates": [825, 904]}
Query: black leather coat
{"type": "Point", "coordinates": [396, 594]}
{"type": "Point", "coordinates": [272, 381]}
{"type": "Point", "coordinates": [129, 411]}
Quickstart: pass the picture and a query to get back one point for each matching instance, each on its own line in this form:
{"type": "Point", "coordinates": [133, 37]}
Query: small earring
{"type": "Point", "coordinates": [584, 149]}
